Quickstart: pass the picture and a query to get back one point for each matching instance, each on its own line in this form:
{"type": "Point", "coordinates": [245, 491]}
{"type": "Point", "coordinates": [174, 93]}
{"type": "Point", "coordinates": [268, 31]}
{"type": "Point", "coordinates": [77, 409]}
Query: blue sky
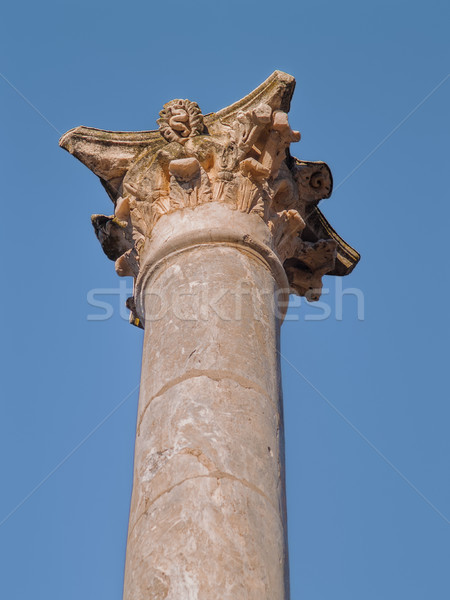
{"type": "Point", "coordinates": [366, 399]}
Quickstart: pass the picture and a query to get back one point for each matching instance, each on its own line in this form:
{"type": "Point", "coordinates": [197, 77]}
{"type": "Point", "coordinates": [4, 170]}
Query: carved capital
{"type": "Point", "coordinates": [238, 157]}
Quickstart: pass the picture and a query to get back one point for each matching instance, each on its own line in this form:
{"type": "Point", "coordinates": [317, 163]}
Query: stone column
{"type": "Point", "coordinates": [208, 510]}
{"type": "Point", "coordinates": [217, 223]}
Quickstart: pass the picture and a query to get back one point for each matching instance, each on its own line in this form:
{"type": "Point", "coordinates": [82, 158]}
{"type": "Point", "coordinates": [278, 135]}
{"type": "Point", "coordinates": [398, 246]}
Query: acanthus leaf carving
{"type": "Point", "coordinates": [189, 183]}
{"type": "Point", "coordinates": [286, 227]}
{"type": "Point", "coordinates": [114, 235]}
{"type": "Point", "coordinates": [306, 269]}
{"type": "Point", "coordinates": [239, 157]}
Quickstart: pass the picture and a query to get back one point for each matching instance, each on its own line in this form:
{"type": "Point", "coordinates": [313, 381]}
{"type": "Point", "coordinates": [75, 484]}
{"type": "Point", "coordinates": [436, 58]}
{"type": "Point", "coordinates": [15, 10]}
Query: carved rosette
{"type": "Point", "coordinates": [180, 120]}
{"type": "Point", "coordinates": [239, 157]}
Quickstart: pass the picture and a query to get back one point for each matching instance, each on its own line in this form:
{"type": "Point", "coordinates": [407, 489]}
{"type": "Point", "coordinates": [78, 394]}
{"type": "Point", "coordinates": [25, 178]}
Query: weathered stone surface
{"type": "Point", "coordinates": [207, 550]}
{"type": "Point", "coordinates": [208, 492]}
{"type": "Point", "coordinates": [217, 224]}
{"type": "Point", "coordinates": [237, 157]}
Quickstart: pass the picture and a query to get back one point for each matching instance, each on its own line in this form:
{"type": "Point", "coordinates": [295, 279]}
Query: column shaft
{"type": "Point", "coordinates": [208, 515]}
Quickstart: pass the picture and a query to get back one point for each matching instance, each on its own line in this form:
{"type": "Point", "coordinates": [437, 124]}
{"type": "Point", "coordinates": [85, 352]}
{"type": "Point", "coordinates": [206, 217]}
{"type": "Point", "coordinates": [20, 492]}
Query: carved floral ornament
{"type": "Point", "coordinates": [239, 157]}
{"type": "Point", "coordinates": [180, 120]}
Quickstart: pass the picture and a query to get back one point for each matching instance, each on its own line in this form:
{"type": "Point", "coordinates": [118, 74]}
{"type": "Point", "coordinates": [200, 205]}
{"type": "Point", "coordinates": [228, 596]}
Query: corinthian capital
{"type": "Point", "coordinates": [239, 158]}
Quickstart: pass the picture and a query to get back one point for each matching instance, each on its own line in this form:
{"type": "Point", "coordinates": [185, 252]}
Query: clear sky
{"type": "Point", "coordinates": [366, 399]}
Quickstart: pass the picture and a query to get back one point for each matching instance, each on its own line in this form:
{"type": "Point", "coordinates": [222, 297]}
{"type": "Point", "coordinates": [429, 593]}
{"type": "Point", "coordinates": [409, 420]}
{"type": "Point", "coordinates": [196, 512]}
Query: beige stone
{"type": "Point", "coordinates": [217, 223]}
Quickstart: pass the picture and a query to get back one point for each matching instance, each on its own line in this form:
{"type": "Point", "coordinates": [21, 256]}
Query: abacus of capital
{"type": "Point", "coordinates": [213, 202]}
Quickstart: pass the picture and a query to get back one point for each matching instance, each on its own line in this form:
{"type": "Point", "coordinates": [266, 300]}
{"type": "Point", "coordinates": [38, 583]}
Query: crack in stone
{"type": "Point", "coordinates": [200, 456]}
{"type": "Point", "coordinates": [212, 374]}
{"type": "Point", "coordinates": [212, 475]}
